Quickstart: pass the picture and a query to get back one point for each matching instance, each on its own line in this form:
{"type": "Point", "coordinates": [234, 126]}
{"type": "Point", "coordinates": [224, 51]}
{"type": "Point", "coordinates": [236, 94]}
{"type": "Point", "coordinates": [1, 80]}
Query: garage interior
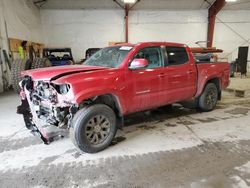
{"type": "Point", "coordinates": [177, 146]}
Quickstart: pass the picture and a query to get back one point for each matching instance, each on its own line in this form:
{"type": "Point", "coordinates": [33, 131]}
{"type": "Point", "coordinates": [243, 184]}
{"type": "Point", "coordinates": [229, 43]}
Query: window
{"type": "Point", "coordinates": [152, 54]}
{"type": "Point", "coordinates": [176, 55]}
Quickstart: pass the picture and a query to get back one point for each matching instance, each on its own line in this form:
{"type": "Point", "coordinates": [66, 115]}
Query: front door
{"type": "Point", "coordinates": [146, 83]}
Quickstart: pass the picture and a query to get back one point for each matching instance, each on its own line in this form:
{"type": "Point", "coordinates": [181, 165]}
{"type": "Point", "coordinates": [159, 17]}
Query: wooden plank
{"type": "Point", "coordinates": [15, 43]}
{"type": "Point", "coordinates": [115, 43]}
{"type": "Point", "coordinates": [205, 50]}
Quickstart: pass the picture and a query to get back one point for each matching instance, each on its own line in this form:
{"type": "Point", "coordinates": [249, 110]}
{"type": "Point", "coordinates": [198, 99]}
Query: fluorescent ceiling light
{"type": "Point", "coordinates": [231, 0]}
{"type": "Point", "coordinates": [129, 1]}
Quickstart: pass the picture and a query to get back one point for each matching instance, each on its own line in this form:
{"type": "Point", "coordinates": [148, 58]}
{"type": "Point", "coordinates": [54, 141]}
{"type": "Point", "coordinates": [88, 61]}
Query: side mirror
{"type": "Point", "coordinates": [138, 64]}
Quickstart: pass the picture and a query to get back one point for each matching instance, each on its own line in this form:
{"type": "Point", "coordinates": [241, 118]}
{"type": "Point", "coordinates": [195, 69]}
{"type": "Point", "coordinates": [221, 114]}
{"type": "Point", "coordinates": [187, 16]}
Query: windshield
{"type": "Point", "coordinates": [109, 57]}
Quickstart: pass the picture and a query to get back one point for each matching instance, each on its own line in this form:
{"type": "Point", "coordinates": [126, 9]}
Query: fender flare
{"type": "Point", "coordinates": [215, 79]}
{"type": "Point", "coordinates": [118, 105]}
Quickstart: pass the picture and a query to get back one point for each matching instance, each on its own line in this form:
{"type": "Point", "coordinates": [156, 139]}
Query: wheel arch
{"type": "Point", "coordinates": [110, 100]}
{"type": "Point", "coordinates": [216, 81]}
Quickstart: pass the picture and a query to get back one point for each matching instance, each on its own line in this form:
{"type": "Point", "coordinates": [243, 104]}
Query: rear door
{"type": "Point", "coordinates": [180, 75]}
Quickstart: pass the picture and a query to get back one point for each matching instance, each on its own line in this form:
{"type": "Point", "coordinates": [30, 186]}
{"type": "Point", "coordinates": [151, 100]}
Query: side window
{"type": "Point", "coordinates": [152, 54]}
{"type": "Point", "coordinates": [176, 55]}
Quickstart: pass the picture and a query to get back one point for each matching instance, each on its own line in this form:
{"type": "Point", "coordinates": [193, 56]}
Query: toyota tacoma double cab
{"type": "Point", "coordinates": [92, 99]}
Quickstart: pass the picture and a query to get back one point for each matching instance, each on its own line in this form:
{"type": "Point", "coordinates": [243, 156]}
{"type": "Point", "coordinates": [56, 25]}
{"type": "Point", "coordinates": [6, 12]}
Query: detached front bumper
{"type": "Point", "coordinates": [44, 110]}
{"type": "Point", "coordinates": [27, 116]}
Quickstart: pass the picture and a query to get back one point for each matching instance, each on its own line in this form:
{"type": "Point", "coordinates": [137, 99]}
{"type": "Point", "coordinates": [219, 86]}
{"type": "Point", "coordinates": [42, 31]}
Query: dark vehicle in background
{"type": "Point", "coordinates": [89, 52]}
{"type": "Point", "coordinates": [58, 56]}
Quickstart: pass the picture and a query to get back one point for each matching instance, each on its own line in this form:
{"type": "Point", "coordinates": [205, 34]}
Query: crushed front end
{"type": "Point", "coordinates": [46, 106]}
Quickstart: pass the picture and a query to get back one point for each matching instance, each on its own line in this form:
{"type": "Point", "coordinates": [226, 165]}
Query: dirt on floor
{"type": "Point", "coordinates": [171, 147]}
{"type": "Point", "coordinates": [159, 169]}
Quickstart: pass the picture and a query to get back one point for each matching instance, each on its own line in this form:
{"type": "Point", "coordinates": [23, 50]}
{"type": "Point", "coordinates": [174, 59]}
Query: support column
{"type": "Point", "coordinates": [212, 12]}
{"type": "Point", "coordinates": [126, 9]}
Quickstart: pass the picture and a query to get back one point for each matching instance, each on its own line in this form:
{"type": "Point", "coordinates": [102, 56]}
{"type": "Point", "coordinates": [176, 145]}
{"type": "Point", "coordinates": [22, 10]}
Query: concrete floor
{"type": "Point", "coordinates": [177, 148]}
{"type": "Point", "coordinates": [239, 82]}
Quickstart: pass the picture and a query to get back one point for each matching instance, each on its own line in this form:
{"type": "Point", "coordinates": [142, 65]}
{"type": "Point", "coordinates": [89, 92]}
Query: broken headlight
{"type": "Point", "coordinates": [62, 88]}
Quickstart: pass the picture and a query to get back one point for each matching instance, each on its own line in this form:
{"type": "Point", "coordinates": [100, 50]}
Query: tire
{"type": "Point", "coordinates": [70, 62]}
{"type": "Point", "coordinates": [208, 99]}
{"type": "Point", "coordinates": [17, 67]}
{"type": "Point", "coordinates": [28, 64]}
{"type": "Point", "coordinates": [40, 63]}
{"type": "Point", "coordinates": [85, 128]}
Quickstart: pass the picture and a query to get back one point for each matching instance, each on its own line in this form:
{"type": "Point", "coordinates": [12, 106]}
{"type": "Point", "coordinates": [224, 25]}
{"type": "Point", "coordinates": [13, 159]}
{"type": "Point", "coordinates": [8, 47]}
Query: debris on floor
{"type": "Point", "coordinates": [174, 148]}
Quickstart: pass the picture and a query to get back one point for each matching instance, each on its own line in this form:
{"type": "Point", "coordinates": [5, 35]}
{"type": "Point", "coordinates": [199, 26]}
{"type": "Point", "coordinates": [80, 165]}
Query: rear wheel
{"type": "Point", "coordinates": [208, 99]}
{"type": "Point", "coordinates": [93, 128]}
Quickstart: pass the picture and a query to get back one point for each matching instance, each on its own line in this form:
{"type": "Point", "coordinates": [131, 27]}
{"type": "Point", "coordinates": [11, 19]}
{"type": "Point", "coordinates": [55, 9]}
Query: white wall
{"type": "Point", "coordinates": [23, 19]}
{"type": "Point", "coordinates": [227, 39]}
{"type": "Point", "coordinates": [82, 29]}
{"type": "Point", "coordinates": [176, 26]}
{"type": "Point", "coordinates": [23, 22]}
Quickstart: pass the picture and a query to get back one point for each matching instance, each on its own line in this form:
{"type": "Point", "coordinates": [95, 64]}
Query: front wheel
{"type": "Point", "coordinates": [93, 128]}
{"type": "Point", "coordinates": [208, 99]}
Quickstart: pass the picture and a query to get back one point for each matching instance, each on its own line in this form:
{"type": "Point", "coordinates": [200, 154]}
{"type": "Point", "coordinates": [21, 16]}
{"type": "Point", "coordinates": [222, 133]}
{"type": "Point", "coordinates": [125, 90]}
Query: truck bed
{"type": "Point", "coordinates": [208, 70]}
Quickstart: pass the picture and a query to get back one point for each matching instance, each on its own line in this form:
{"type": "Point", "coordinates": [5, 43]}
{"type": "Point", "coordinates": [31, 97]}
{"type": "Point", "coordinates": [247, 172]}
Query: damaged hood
{"type": "Point", "coordinates": [53, 73]}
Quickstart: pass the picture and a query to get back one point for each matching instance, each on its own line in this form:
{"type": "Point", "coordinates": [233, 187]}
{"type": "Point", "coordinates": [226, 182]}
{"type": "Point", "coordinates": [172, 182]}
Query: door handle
{"type": "Point", "coordinates": [190, 72]}
{"type": "Point", "coordinates": [161, 75]}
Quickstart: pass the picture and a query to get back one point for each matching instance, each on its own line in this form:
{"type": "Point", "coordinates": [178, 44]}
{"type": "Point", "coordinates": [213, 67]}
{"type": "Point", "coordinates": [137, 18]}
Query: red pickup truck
{"type": "Point", "coordinates": [92, 99]}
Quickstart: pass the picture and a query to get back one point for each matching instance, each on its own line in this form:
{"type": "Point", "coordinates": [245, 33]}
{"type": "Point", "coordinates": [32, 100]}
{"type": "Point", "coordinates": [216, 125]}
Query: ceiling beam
{"type": "Point", "coordinates": [212, 12]}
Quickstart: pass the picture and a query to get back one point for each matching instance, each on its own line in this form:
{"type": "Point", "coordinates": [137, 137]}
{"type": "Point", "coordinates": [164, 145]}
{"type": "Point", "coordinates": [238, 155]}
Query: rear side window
{"type": "Point", "coordinates": [176, 55]}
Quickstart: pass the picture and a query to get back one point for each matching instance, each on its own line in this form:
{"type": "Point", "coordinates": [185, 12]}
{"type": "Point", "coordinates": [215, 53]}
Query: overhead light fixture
{"type": "Point", "coordinates": [231, 1]}
{"type": "Point", "coordinates": [129, 1]}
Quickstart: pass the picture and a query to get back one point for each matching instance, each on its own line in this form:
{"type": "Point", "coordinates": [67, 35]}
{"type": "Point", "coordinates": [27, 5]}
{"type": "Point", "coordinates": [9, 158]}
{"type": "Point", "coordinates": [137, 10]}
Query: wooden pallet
{"type": "Point", "coordinates": [15, 43]}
